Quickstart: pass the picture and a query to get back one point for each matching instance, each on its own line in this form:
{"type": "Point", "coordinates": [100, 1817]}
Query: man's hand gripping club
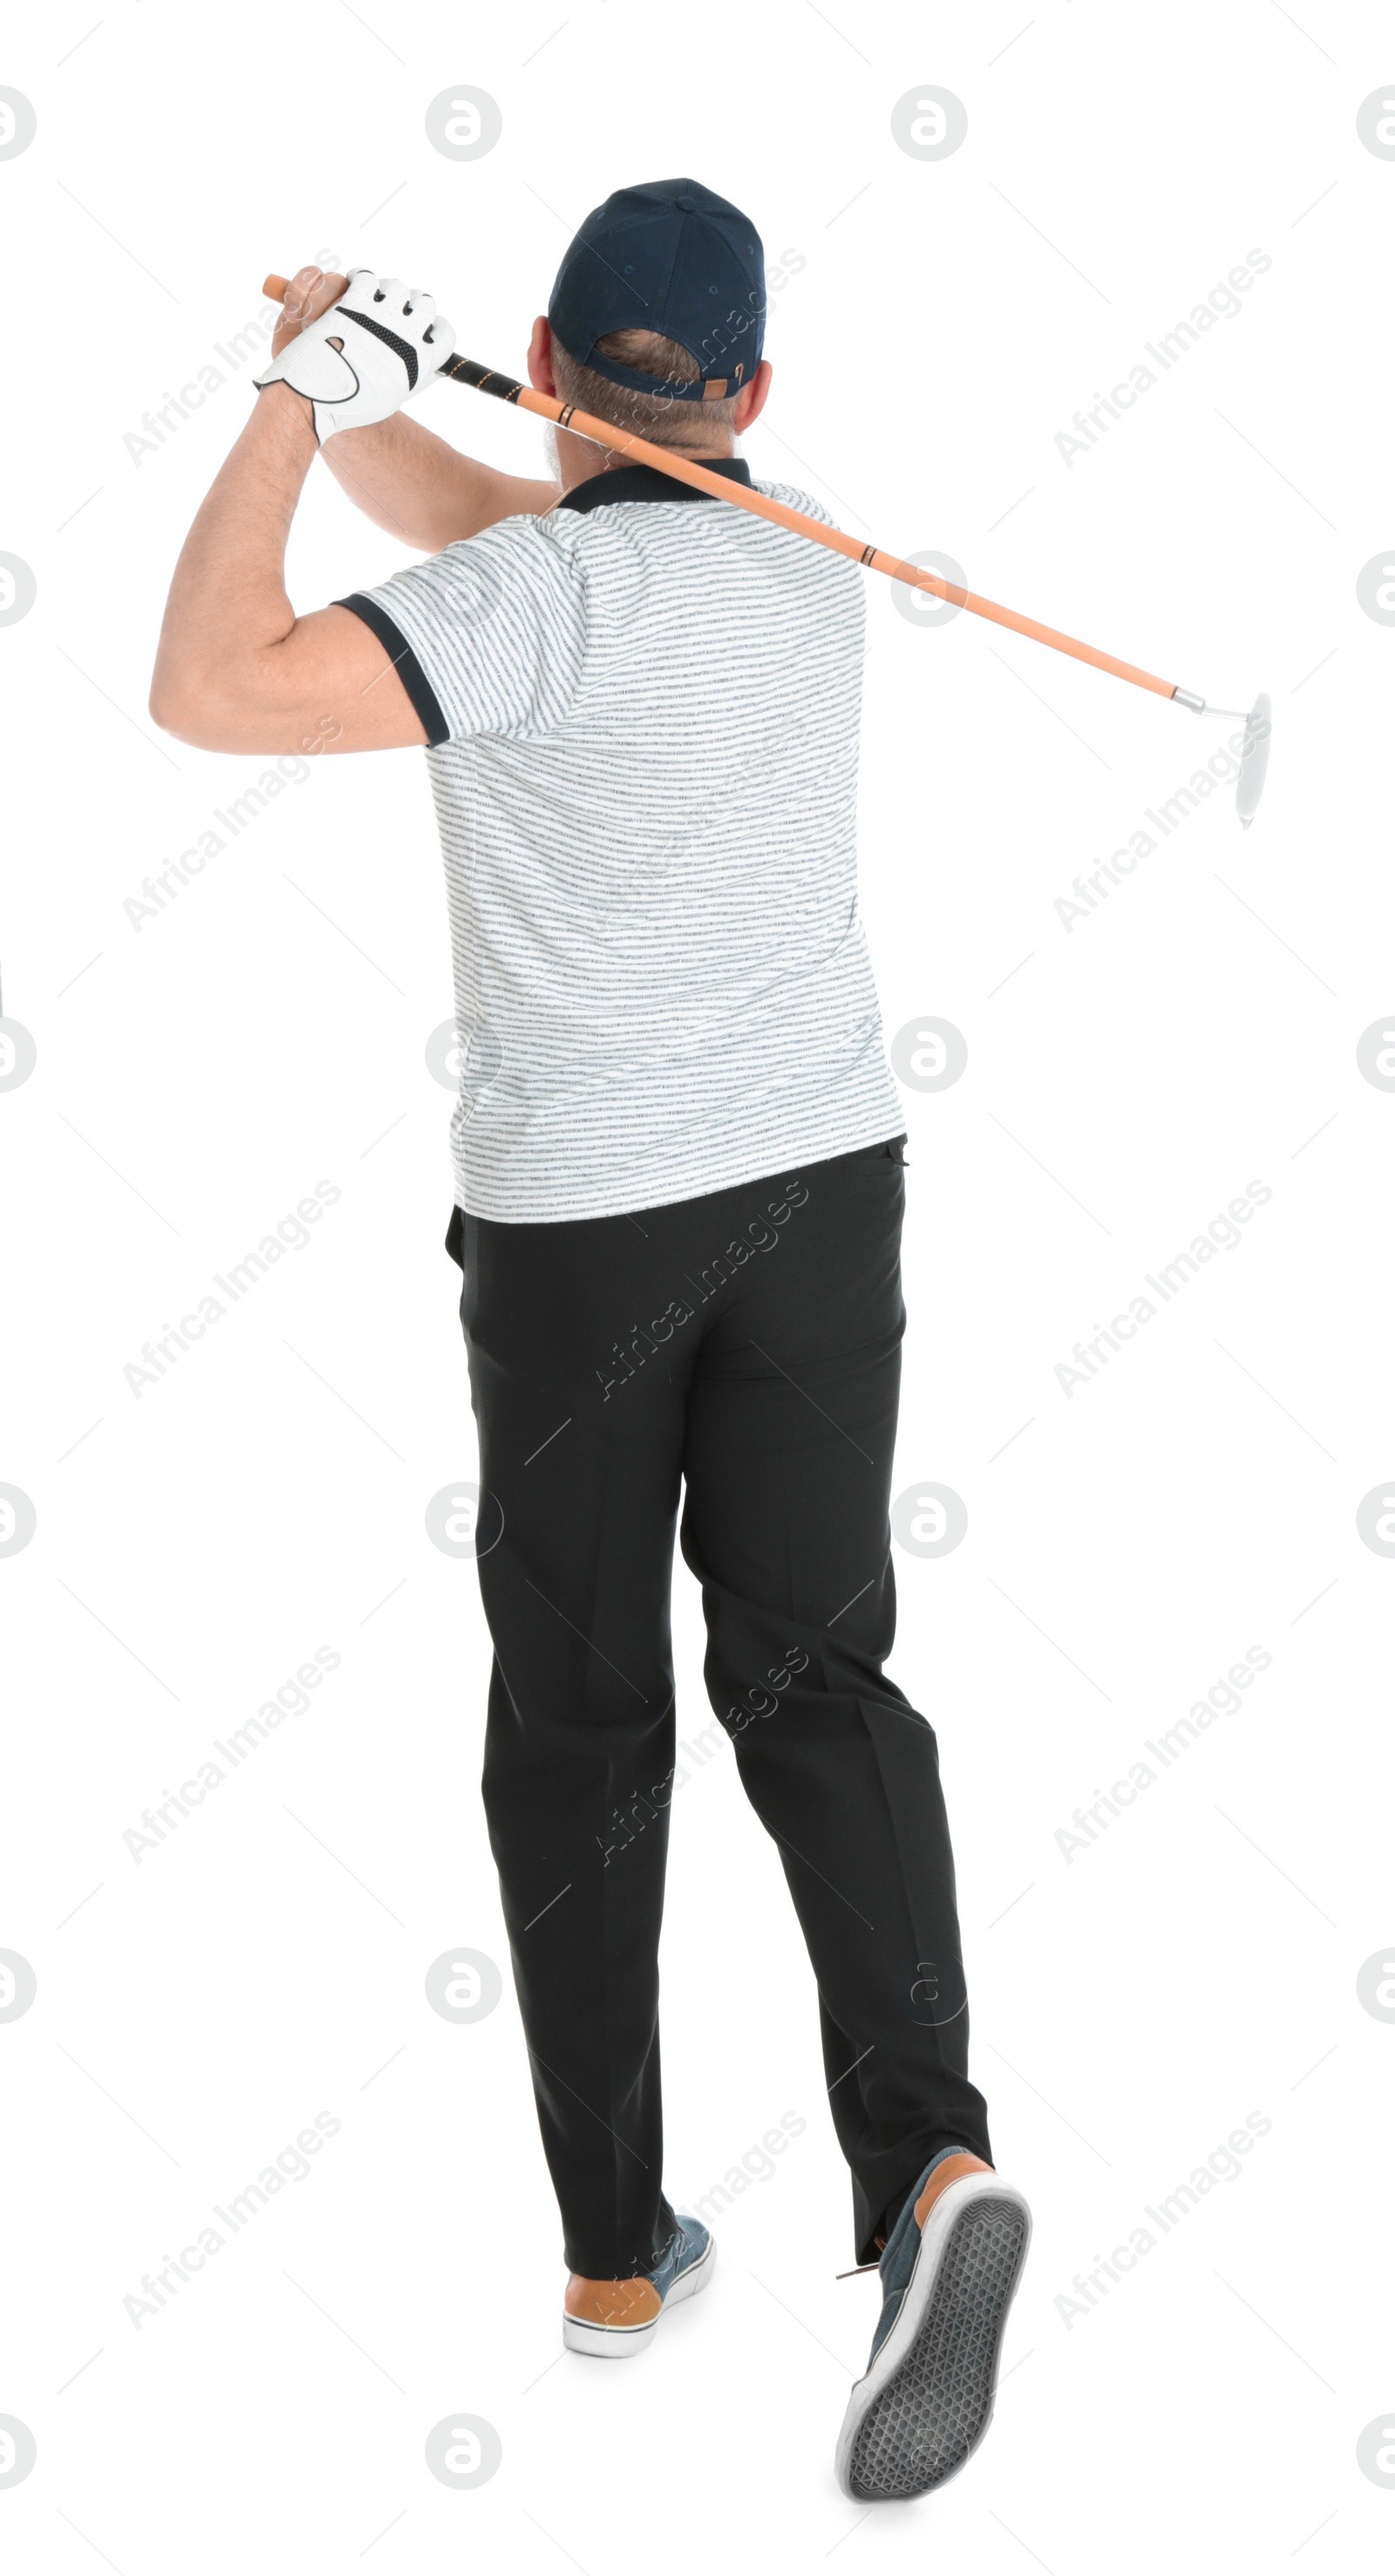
{"type": "Point", "coordinates": [358, 359]}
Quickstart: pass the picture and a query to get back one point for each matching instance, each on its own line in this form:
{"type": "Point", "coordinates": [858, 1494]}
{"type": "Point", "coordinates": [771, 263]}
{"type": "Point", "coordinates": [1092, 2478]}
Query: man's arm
{"type": "Point", "coordinates": [236, 669]}
{"type": "Point", "coordinates": [402, 477]}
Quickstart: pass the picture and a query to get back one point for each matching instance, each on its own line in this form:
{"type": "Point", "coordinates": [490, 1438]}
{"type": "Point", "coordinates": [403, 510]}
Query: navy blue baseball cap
{"type": "Point", "coordinates": [672, 258]}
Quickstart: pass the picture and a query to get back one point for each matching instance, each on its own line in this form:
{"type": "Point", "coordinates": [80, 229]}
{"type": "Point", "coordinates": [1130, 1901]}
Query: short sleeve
{"type": "Point", "coordinates": [488, 637]}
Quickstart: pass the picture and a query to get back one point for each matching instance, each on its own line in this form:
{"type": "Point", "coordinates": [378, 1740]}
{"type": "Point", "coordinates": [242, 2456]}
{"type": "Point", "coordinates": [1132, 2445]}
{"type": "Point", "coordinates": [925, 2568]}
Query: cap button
{"type": "Point", "coordinates": [686, 205]}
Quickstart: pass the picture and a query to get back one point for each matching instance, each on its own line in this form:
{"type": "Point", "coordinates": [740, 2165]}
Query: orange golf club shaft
{"type": "Point", "coordinates": [623, 443]}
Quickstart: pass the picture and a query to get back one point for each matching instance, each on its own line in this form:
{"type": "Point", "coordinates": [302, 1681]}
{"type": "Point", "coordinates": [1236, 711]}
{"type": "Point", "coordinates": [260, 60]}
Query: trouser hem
{"type": "Point", "coordinates": [603, 2262]}
{"type": "Point", "coordinates": [925, 2151]}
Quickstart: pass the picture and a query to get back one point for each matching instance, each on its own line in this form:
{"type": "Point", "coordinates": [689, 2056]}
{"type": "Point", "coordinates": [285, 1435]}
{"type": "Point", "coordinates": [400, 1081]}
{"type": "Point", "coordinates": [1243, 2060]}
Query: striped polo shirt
{"type": "Point", "coordinates": [642, 716]}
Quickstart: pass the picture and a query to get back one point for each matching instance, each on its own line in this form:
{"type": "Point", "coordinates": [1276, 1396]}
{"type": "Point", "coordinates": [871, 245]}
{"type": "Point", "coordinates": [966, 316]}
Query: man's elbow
{"type": "Point", "coordinates": [191, 708]}
{"type": "Point", "coordinates": [166, 712]}
{"type": "Point", "coordinates": [174, 702]}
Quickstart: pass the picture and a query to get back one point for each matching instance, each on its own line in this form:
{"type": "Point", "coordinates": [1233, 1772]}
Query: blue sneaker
{"type": "Point", "coordinates": [951, 2265]}
{"type": "Point", "coordinates": [613, 2319]}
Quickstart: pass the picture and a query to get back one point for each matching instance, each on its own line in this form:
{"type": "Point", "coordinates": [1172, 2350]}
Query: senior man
{"type": "Point", "coordinates": [678, 1199]}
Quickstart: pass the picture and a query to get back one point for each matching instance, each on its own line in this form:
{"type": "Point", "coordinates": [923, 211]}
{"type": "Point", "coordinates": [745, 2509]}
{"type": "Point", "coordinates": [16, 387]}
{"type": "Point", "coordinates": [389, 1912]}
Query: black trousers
{"type": "Point", "coordinates": [743, 1348]}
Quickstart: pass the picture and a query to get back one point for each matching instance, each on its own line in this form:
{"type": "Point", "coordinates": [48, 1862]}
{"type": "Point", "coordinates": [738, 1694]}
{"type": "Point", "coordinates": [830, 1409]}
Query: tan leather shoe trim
{"type": "Point", "coordinates": [612, 2303]}
{"type": "Point", "coordinates": [950, 2169]}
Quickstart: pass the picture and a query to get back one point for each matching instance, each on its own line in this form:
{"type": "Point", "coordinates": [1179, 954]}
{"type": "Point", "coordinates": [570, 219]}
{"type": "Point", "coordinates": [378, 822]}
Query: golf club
{"type": "Point", "coordinates": [1254, 756]}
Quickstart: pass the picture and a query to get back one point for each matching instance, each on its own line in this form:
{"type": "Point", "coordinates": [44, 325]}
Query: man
{"type": "Point", "coordinates": [679, 1194]}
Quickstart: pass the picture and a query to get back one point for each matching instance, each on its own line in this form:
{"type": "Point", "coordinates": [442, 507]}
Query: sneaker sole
{"type": "Point", "coordinates": [926, 2401]}
{"type": "Point", "coordinates": [621, 2343]}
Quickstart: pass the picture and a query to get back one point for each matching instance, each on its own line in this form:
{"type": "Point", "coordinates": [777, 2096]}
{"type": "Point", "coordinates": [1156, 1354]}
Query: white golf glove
{"type": "Point", "coordinates": [363, 358]}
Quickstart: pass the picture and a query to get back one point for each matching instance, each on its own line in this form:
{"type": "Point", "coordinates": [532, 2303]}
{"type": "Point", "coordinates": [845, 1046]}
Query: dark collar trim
{"type": "Point", "coordinates": [646, 483]}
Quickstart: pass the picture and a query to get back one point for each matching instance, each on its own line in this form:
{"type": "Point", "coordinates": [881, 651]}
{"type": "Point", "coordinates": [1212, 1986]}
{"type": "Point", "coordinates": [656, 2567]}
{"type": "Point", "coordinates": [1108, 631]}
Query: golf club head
{"type": "Point", "coordinates": [1254, 759]}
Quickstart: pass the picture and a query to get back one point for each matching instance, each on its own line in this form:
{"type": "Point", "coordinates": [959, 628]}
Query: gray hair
{"type": "Point", "coordinates": [660, 417]}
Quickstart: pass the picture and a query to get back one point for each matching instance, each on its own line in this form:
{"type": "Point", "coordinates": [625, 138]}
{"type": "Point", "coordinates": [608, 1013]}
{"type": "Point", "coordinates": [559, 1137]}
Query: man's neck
{"type": "Point", "coordinates": [578, 459]}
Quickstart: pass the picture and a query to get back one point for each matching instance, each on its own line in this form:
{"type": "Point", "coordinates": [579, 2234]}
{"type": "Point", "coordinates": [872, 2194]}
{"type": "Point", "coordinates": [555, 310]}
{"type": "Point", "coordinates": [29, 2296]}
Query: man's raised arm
{"type": "Point", "coordinates": [236, 669]}
{"type": "Point", "coordinates": [400, 475]}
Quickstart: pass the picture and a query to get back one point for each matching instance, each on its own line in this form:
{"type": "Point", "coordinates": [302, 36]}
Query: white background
{"type": "Point", "coordinates": [196, 1077]}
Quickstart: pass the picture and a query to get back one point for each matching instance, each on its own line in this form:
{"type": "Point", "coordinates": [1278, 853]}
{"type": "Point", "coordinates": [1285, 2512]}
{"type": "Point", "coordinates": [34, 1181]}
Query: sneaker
{"type": "Point", "coordinates": [925, 2401]}
{"type": "Point", "coordinates": [612, 2319]}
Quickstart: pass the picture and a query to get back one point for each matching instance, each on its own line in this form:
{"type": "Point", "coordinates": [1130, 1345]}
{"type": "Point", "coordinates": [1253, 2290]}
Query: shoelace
{"type": "Point", "coordinates": [880, 2244]}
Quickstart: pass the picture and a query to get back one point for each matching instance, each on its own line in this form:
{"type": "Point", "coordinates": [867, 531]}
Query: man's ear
{"type": "Point", "coordinates": [750, 402]}
{"type": "Point", "coordinates": [540, 374]}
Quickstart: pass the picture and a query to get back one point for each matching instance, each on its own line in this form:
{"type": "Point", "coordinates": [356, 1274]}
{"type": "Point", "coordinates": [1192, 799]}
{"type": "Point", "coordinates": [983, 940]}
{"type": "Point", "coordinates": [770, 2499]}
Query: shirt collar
{"type": "Point", "coordinates": [646, 483]}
